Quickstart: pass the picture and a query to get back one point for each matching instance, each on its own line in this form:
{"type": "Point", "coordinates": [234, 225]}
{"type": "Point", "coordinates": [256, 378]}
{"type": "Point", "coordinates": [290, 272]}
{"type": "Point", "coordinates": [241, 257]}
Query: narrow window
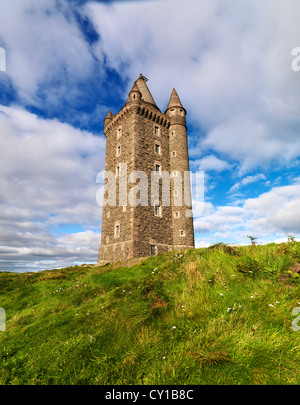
{"type": "Point", "coordinates": [119, 150]}
{"type": "Point", "coordinates": [173, 133]}
{"type": "Point", "coordinates": [173, 153]}
{"type": "Point", "coordinates": [156, 130]}
{"type": "Point", "coordinates": [181, 232]}
{"type": "Point", "coordinates": [119, 132]}
{"type": "Point", "coordinates": [157, 148]}
{"type": "Point", "coordinates": [176, 214]}
{"type": "Point", "coordinates": [117, 231]}
{"type": "Point", "coordinates": [157, 210]}
{"type": "Point", "coordinates": [118, 171]}
{"type": "Point", "coordinates": [153, 250]}
{"type": "Point", "coordinates": [157, 168]}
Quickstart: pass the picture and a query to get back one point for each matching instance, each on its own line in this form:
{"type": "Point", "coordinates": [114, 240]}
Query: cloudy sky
{"type": "Point", "coordinates": [68, 62]}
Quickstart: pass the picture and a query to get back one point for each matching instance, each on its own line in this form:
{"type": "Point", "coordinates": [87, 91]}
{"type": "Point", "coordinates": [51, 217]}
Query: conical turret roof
{"type": "Point", "coordinates": [174, 101]}
{"type": "Point", "coordinates": [143, 88]}
{"type": "Point", "coordinates": [109, 114]}
{"type": "Point", "coordinates": [134, 88]}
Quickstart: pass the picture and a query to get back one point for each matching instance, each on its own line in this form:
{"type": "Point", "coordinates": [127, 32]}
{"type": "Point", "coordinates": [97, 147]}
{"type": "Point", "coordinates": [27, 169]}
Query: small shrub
{"type": "Point", "coordinates": [248, 265]}
{"type": "Point", "coordinates": [229, 250]}
{"type": "Point", "coordinates": [252, 239]}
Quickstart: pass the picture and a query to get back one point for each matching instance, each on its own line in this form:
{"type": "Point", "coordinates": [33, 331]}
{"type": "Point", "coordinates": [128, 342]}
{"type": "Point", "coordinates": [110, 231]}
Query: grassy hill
{"type": "Point", "coordinates": [219, 315]}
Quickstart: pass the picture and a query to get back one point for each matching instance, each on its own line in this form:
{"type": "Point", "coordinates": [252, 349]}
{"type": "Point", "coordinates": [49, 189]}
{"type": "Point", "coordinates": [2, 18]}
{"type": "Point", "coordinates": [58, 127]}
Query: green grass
{"type": "Point", "coordinates": [220, 315]}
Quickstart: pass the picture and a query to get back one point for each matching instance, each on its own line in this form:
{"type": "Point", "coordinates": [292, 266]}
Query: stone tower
{"type": "Point", "coordinates": [147, 158]}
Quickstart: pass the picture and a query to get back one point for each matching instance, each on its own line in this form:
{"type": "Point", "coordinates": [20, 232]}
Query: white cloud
{"type": "Point", "coordinates": [276, 210]}
{"type": "Point", "coordinates": [247, 180]}
{"type": "Point", "coordinates": [42, 41]}
{"type": "Point", "coordinates": [255, 144]}
{"type": "Point", "coordinates": [231, 65]}
{"type": "Point", "coordinates": [211, 162]}
{"type": "Point", "coordinates": [270, 216]}
{"type": "Point", "coordinates": [63, 251]}
{"type": "Point", "coordinates": [202, 244]}
{"type": "Point", "coordinates": [221, 219]}
{"type": "Point", "coordinates": [48, 180]}
{"type": "Point", "coordinates": [88, 241]}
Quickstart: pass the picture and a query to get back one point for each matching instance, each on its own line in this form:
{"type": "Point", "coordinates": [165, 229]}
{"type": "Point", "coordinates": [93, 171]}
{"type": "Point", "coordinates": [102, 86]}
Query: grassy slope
{"type": "Point", "coordinates": [202, 317]}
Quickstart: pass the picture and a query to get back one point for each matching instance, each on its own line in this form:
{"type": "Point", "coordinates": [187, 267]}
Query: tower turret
{"type": "Point", "coordinates": [134, 98]}
{"type": "Point", "coordinates": [175, 111]}
{"type": "Point", "coordinates": [183, 228]}
{"type": "Point", "coordinates": [107, 120]}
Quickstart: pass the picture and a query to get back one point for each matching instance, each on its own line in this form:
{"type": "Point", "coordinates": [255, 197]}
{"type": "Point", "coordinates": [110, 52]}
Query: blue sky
{"type": "Point", "coordinates": [68, 62]}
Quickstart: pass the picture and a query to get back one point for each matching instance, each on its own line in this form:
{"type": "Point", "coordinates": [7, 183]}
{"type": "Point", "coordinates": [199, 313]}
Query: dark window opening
{"type": "Point", "coordinates": [153, 250]}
